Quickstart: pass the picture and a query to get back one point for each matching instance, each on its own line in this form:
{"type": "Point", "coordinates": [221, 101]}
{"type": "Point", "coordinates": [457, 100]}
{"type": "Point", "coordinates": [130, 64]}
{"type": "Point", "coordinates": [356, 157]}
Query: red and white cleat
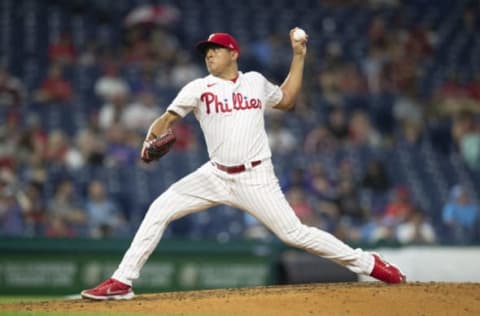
{"type": "Point", "coordinates": [110, 289]}
{"type": "Point", "coordinates": [387, 272]}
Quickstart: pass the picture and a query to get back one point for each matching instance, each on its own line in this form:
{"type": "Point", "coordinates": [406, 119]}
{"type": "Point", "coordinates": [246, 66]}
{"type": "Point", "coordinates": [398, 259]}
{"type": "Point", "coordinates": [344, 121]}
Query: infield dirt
{"type": "Point", "coordinates": [368, 298]}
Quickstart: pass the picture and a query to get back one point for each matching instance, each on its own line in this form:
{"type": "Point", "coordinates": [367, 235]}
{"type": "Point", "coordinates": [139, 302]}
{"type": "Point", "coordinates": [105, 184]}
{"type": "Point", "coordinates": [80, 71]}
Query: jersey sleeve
{"type": "Point", "coordinates": [273, 93]}
{"type": "Point", "coordinates": [186, 100]}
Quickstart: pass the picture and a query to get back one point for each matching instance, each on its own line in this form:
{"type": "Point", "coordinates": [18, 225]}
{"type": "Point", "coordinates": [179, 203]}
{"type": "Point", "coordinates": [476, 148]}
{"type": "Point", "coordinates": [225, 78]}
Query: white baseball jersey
{"type": "Point", "coordinates": [231, 115]}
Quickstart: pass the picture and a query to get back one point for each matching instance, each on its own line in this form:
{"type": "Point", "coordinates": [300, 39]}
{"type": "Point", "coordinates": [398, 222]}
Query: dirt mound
{"type": "Point", "coordinates": [370, 298]}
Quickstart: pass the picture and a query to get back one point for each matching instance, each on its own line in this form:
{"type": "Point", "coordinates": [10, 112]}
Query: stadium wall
{"type": "Point", "coordinates": [64, 267]}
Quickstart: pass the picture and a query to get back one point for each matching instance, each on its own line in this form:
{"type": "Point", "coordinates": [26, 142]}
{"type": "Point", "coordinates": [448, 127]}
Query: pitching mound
{"type": "Point", "coordinates": [313, 299]}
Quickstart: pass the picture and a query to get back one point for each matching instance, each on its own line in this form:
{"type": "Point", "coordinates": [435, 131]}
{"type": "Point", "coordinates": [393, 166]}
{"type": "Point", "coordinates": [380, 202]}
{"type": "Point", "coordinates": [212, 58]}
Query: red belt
{"type": "Point", "coordinates": [235, 169]}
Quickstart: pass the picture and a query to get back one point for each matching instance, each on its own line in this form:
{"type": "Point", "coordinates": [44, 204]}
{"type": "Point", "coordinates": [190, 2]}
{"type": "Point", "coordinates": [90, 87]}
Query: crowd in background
{"type": "Point", "coordinates": [376, 100]}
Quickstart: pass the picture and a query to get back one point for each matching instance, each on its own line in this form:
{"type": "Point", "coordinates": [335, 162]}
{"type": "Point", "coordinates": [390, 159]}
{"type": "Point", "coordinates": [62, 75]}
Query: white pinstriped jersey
{"type": "Point", "coordinates": [231, 115]}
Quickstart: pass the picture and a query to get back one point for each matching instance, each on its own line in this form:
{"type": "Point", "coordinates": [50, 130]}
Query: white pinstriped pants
{"type": "Point", "coordinates": [256, 191]}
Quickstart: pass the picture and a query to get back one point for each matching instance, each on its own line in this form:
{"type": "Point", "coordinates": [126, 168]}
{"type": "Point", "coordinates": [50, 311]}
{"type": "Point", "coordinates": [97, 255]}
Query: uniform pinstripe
{"type": "Point", "coordinates": [235, 134]}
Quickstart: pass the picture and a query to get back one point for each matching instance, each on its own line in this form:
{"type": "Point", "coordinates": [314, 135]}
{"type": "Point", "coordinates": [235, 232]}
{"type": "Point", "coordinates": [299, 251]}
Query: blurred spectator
{"type": "Point", "coordinates": [349, 204]}
{"type": "Point", "coordinates": [111, 112]}
{"type": "Point", "coordinates": [407, 106]}
{"type": "Point", "coordinates": [111, 85]}
{"type": "Point", "coordinates": [164, 45]}
{"type": "Point", "coordinates": [319, 182]}
{"type": "Point", "coordinates": [35, 169]}
{"type": "Point", "coordinates": [11, 217]}
{"type": "Point", "coordinates": [400, 207]}
{"type": "Point", "coordinates": [54, 88]}
{"type": "Point", "coordinates": [186, 138]}
{"type": "Point", "coordinates": [65, 216]}
{"type": "Point", "coordinates": [61, 152]}
{"type": "Point", "coordinates": [418, 44]}
{"type": "Point", "coordinates": [184, 71]}
{"type": "Point", "coordinates": [56, 227]}
{"type": "Point", "coordinates": [453, 88]}
{"type": "Point", "coordinates": [377, 231]}
{"type": "Point", "coordinates": [138, 48]}
{"type": "Point", "coordinates": [345, 171]}
{"type": "Point", "coordinates": [454, 96]}
{"type": "Point", "coordinates": [267, 50]}
{"type": "Point", "coordinates": [323, 190]}
{"type": "Point", "coordinates": [58, 149]}
{"type": "Point", "coordinates": [262, 49]}
{"type": "Point", "coordinates": [470, 149]}
{"type": "Point", "coordinates": [463, 125]}
{"type": "Point", "coordinates": [305, 111]}
{"type": "Point", "coordinates": [297, 198]}
{"type": "Point", "coordinates": [460, 215]}
{"type": "Point", "coordinates": [373, 68]}
{"type": "Point", "coordinates": [374, 188]}
{"type": "Point", "coordinates": [146, 80]}
{"type": "Point", "coordinates": [400, 71]}
{"type": "Point", "coordinates": [338, 123]}
{"type": "Point", "coordinates": [474, 86]}
{"type": "Point", "coordinates": [350, 81]}
{"type": "Point", "coordinates": [362, 133]}
{"type": "Point", "coordinates": [104, 219]}
{"type": "Point", "coordinates": [152, 15]}
{"type": "Point", "coordinates": [376, 178]}
{"type": "Point", "coordinates": [331, 75]}
{"type": "Point", "coordinates": [410, 133]}
{"type": "Point", "coordinates": [61, 50]}
{"type": "Point", "coordinates": [470, 14]}
{"type": "Point", "coordinates": [352, 211]}
{"type": "Point", "coordinates": [33, 140]}
{"type": "Point", "coordinates": [319, 140]}
{"type": "Point", "coordinates": [33, 208]}
{"type": "Point", "coordinates": [91, 146]}
{"type": "Point", "coordinates": [119, 150]}
{"type": "Point", "coordinates": [296, 177]}
{"type": "Point", "coordinates": [138, 115]}
{"type": "Point", "coordinates": [12, 91]}
{"type": "Point", "coordinates": [377, 31]}
{"type": "Point", "coordinates": [9, 138]}
{"type": "Point", "coordinates": [281, 139]}
{"type": "Point", "coordinates": [88, 56]}
{"type": "Point", "coordinates": [415, 230]}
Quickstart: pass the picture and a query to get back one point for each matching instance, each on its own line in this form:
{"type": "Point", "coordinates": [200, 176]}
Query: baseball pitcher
{"type": "Point", "coordinates": [229, 106]}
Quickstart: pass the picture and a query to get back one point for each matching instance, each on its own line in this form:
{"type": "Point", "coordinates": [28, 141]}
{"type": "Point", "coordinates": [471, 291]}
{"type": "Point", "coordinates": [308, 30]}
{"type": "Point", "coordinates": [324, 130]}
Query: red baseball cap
{"type": "Point", "coordinates": [223, 39]}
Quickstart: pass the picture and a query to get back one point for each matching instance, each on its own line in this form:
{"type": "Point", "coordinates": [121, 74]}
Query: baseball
{"type": "Point", "coordinates": [299, 34]}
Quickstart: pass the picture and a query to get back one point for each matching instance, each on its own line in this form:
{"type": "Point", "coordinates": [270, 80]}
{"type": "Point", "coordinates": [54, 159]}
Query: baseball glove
{"type": "Point", "coordinates": [157, 147]}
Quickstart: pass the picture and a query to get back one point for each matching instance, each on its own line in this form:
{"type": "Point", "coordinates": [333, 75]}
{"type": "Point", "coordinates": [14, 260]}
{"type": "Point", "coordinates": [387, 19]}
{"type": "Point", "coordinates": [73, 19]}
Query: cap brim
{"type": "Point", "coordinates": [203, 45]}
